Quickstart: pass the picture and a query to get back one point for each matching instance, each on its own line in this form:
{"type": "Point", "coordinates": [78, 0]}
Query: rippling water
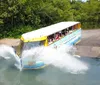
{"type": "Point", "coordinates": [50, 75]}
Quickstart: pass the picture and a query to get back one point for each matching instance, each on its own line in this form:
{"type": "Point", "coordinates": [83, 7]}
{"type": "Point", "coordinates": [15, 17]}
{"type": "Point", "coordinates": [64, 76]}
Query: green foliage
{"type": "Point", "coordinates": [19, 16]}
{"type": "Point", "coordinates": [16, 32]}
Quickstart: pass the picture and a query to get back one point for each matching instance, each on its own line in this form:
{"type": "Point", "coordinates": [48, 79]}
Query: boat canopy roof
{"type": "Point", "coordinates": [42, 33]}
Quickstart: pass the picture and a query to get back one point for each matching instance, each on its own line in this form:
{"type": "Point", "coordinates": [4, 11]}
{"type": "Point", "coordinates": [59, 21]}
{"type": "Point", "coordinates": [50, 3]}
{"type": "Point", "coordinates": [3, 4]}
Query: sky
{"type": "Point", "coordinates": [84, 0]}
{"type": "Point", "coordinates": [81, 0]}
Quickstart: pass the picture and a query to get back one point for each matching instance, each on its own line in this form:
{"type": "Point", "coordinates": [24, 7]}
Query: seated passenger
{"type": "Point", "coordinates": [50, 41]}
{"type": "Point", "coordinates": [70, 31]}
{"type": "Point", "coordinates": [60, 34]}
{"type": "Point", "coordinates": [66, 33]}
{"type": "Point", "coordinates": [63, 34]}
{"type": "Point", "coordinates": [57, 37]}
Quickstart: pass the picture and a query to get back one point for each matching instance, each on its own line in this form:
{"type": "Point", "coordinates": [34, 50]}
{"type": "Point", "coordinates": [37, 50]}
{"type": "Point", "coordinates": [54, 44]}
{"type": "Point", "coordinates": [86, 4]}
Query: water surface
{"type": "Point", "coordinates": [50, 75]}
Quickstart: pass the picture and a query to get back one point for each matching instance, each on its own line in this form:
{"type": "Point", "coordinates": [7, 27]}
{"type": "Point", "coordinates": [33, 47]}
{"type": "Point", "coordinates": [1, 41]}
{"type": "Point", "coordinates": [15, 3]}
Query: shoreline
{"type": "Point", "coordinates": [10, 41]}
{"type": "Point", "coordinates": [89, 46]}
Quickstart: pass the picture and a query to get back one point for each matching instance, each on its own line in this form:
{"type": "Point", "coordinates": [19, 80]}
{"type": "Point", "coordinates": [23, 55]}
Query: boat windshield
{"type": "Point", "coordinates": [29, 45]}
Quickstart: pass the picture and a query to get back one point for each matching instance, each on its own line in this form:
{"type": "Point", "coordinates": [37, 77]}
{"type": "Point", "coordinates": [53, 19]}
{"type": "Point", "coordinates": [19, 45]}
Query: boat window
{"type": "Point", "coordinates": [70, 28]}
{"type": "Point", "coordinates": [73, 27]}
{"type": "Point", "coordinates": [76, 26]}
{"type": "Point", "coordinates": [51, 39]}
{"type": "Point", "coordinates": [63, 33]}
{"type": "Point", "coordinates": [66, 31]}
{"type": "Point", "coordinates": [30, 45]}
{"type": "Point", "coordinates": [41, 43]}
{"type": "Point", "coordinates": [57, 36]}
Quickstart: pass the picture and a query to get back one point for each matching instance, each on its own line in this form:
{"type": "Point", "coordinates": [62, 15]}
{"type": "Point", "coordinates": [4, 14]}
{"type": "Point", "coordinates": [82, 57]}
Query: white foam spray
{"type": "Point", "coordinates": [62, 58]}
{"type": "Point", "coordinates": [8, 52]}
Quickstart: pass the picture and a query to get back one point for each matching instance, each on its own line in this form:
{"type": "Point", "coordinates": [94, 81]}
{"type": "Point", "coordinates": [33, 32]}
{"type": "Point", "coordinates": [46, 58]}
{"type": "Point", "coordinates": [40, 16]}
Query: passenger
{"type": "Point", "coordinates": [57, 37]}
{"type": "Point", "coordinates": [73, 28]}
{"type": "Point", "coordinates": [63, 33]}
{"type": "Point", "coordinates": [50, 41]}
{"type": "Point", "coordinates": [66, 33]}
{"type": "Point", "coordinates": [67, 30]}
{"type": "Point", "coordinates": [53, 39]}
{"type": "Point", "coordinates": [70, 31]}
{"type": "Point", "coordinates": [60, 34]}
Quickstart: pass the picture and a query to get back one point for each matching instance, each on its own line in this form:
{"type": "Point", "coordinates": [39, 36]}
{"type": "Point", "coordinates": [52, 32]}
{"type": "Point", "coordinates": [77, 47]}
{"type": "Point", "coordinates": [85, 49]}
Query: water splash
{"type": "Point", "coordinates": [62, 58]}
{"type": "Point", "coordinates": [8, 53]}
